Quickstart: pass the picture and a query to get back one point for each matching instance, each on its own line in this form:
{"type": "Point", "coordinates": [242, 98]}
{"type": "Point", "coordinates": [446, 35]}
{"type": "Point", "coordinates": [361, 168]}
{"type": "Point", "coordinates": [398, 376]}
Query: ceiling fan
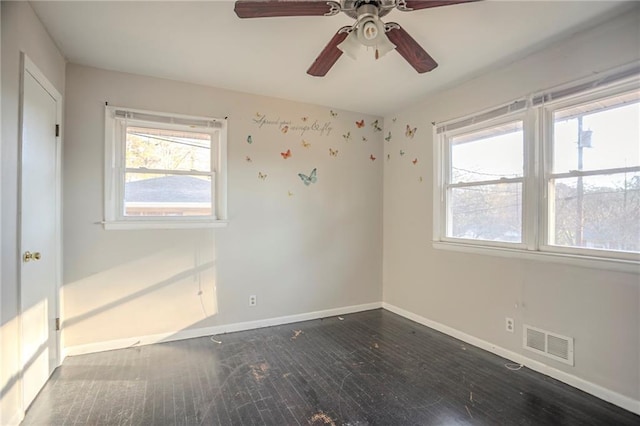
{"type": "Point", "coordinates": [368, 30]}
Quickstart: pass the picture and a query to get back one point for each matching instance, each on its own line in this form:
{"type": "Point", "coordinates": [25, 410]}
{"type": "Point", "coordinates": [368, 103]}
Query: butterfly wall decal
{"type": "Point", "coordinates": [372, 158]}
{"type": "Point", "coordinates": [333, 152]}
{"type": "Point", "coordinates": [347, 136]}
{"type": "Point", "coordinates": [306, 144]}
{"type": "Point", "coordinates": [401, 153]}
{"type": "Point", "coordinates": [360, 124]}
{"type": "Point", "coordinates": [290, 194]}
{"type": "Point", "coordinates": [249, 140]}
{"type": "Point", "coordinates": [388, 137]}
{"type": "Point", "coordinates": [262, 176]}
{"type": "Point", "coordinates": [284, 129]}
{"type": "Point", "coordinates": [308, 180]}
{"type": "Point", "coordinates": [410, 132]}
{"type": "Point", "coordinates": [304, 119]}
{"type": "Point", "coordinates": [286, 155]}
{"type": "Point", "coordinates": [388, 156]}
{"type": "Point", "coordinates": [364, 139]}
{"type": "Point", "coordinates": [414, 161]}
{"type": "Point", "coordinates": [333, 114]}
{"type": "Point", "coordinates": [376, 126]}
{"type": "Point", "coordinates": [248, 159]}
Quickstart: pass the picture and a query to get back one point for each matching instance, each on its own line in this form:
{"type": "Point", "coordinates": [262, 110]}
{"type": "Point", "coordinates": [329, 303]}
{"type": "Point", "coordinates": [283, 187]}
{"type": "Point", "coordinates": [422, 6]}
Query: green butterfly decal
{"type": "Point", "coordinates": [388, 137]}
{"type": "Point", "coordinates": [308, 180]}
{"type": "Point", "coordinates": [249, 139]}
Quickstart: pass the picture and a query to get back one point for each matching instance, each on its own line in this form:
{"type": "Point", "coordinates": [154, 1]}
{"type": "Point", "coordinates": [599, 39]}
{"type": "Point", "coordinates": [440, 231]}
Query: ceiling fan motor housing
{"type": "Point", "coordinates": [351, 8]}
{"type": "Point", "coordinates": [369, 27]}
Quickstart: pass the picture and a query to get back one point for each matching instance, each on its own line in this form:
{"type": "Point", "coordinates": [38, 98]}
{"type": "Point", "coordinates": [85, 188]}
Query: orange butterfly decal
{"type": "Point", "coordinates": [286, 155]}
{"type": "Point", "coordinates": [372, 158]}
{"type": "Point", "coordinates": [410, 132]}
{"type": "Point", "coordinates": [285, 129]}
{"type": "Point", "coordinates": [360, 124]}
{"type": "Point", "coordinates": [306, 144]}
{"type": "Point", "coordinates": [414, 161]}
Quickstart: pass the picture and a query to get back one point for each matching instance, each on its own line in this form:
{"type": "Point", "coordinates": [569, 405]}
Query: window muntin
{"type": "Point", "coordinates": [484, 183]}
{"type": "Point", "coordinates": [608, 177]}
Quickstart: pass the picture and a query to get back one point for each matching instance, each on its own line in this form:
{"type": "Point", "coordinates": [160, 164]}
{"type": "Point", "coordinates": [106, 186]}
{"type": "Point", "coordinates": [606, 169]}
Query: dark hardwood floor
{"type": "Point", "coordinates": [369, 368]}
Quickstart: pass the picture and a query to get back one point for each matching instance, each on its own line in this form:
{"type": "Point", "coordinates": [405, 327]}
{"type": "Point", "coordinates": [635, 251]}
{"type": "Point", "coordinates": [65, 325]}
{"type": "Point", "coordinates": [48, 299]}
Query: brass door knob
{"type": "Point", "coordinates": [28, 256]}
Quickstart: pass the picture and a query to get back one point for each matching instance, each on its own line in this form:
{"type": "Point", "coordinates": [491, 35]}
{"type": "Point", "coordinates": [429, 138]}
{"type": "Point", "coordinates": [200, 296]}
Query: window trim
{"type": "Point", "coordinates": [115, 170]}
{"type": "Point", "coordinates": [538, 145]}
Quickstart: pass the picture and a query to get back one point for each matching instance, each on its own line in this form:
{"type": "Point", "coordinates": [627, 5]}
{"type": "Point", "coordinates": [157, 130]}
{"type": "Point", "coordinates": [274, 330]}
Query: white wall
{"type": "Point", "coordinates": [21, 31]}
{"type": "Point", "coordinates": [474, 293]}
{"type": "Point", "coordinates": [318, 249]}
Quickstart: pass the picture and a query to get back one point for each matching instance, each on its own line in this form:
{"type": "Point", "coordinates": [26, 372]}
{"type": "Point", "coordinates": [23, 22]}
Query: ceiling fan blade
{"type": "Point", "coordinates": [275, 8]}
{"type": "Point", "coordinates": [410, 50]}
{"type": "Point", "coordinates": [329, 55]}
{"type": "Point", "coordinates": [410, 5]}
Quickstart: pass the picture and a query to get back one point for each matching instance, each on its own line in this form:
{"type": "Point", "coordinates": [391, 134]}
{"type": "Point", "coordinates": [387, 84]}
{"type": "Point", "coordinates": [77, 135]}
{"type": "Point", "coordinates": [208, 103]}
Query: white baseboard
{"type": "Point", "coordinates": [219, 329]}
{"type": "Point", "coordinates": [603, 393]}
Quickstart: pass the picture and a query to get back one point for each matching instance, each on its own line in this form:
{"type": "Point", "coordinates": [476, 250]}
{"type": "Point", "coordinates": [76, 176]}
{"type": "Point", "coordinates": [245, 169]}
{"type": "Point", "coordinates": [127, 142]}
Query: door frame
{"type": "Point", "coordinates": [27, 66]}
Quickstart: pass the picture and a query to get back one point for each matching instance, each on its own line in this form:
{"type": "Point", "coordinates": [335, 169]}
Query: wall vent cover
{"type": "Point", "coordinates": [549, 344]}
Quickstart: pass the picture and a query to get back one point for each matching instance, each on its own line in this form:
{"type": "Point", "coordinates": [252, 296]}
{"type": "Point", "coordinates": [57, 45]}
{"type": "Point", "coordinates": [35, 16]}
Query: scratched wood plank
{"type": "Point", "coordinates": [373, 367]}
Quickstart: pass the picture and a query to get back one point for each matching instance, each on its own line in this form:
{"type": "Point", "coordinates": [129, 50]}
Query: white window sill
{"type": "Point", "coordinates": [619, 265]}
{"type": "Point", "coordinates": [163, 224]}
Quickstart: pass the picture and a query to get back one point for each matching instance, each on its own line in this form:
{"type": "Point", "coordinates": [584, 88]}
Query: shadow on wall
{"type": "Point", "coordinates": [166, 290]}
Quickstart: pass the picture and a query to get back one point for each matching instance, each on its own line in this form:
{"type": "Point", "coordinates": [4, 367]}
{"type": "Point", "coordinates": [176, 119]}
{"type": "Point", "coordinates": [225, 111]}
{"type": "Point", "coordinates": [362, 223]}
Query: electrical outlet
{"type": "Point", "coordinates": [253, 300]}
{"type": "Point", "coordinates": [509, 324]}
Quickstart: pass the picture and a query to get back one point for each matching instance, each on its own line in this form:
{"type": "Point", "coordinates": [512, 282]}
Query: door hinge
{"type": "Point", "coordinates": [57, 130]}
{"type": "Point", "coordinates": [57, 324]}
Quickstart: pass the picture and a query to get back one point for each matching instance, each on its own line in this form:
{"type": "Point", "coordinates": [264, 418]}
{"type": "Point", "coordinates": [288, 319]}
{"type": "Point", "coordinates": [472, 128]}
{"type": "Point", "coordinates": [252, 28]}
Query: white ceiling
{"type": "Point", "coordinates": [206, 43]}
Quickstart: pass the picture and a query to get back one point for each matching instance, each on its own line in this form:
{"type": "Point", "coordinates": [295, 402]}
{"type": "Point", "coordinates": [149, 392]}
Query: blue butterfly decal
{"type": "Point", "coordinates": [308, 180]}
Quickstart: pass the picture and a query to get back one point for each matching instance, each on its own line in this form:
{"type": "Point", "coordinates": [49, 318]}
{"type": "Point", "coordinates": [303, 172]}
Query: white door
{"type": "Point", "coordinates": [38, 236]}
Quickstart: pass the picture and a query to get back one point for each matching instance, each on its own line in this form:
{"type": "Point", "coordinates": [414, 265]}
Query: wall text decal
{"type": "Point", "coordinates": [323, 129]}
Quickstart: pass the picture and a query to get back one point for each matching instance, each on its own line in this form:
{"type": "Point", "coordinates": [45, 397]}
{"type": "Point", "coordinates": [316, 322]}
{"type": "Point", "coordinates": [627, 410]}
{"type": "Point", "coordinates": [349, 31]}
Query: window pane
{"type": "Point", "coordinates": [488, 212]}
{"type": "Point", "coordinates": [605, 214]}
{"type": "Point", "coordinates": [168, 149]}
{"type": "Point", "coordinates": [167, 195]}
{"type": "Point", "coordinates": [488, 154]}
{"type": "Point", "coordinates": [598, 135]}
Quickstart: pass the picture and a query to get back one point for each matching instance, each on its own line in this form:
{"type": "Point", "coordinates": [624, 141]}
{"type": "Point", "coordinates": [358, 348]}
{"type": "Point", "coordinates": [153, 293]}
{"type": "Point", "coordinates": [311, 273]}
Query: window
{"type": "Point", "coordinates": [163, 170]}
{"type": "Point", "coordinates": [594, 181]}
{"type": "Point", "coordinates": [484, 183]}
{"type": "Point", "coordinates": [555, 174]}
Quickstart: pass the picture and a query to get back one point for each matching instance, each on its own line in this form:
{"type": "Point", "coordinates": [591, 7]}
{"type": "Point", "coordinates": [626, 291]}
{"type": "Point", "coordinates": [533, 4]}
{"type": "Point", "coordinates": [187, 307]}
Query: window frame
{"type": "Point", "coordinates": [446, 177]}
{"type": "Point", "coordinates": [538, 127]}
{"type": "Point", "coordinates": [546, 111]}
{"type": "Point", "coordinates": [115, 169]}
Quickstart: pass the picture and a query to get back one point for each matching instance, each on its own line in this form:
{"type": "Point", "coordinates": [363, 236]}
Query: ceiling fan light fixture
{"type": "Point", "coordinates": [384, 46]}
{"type": "Point", "coordinates": [351, 45]}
